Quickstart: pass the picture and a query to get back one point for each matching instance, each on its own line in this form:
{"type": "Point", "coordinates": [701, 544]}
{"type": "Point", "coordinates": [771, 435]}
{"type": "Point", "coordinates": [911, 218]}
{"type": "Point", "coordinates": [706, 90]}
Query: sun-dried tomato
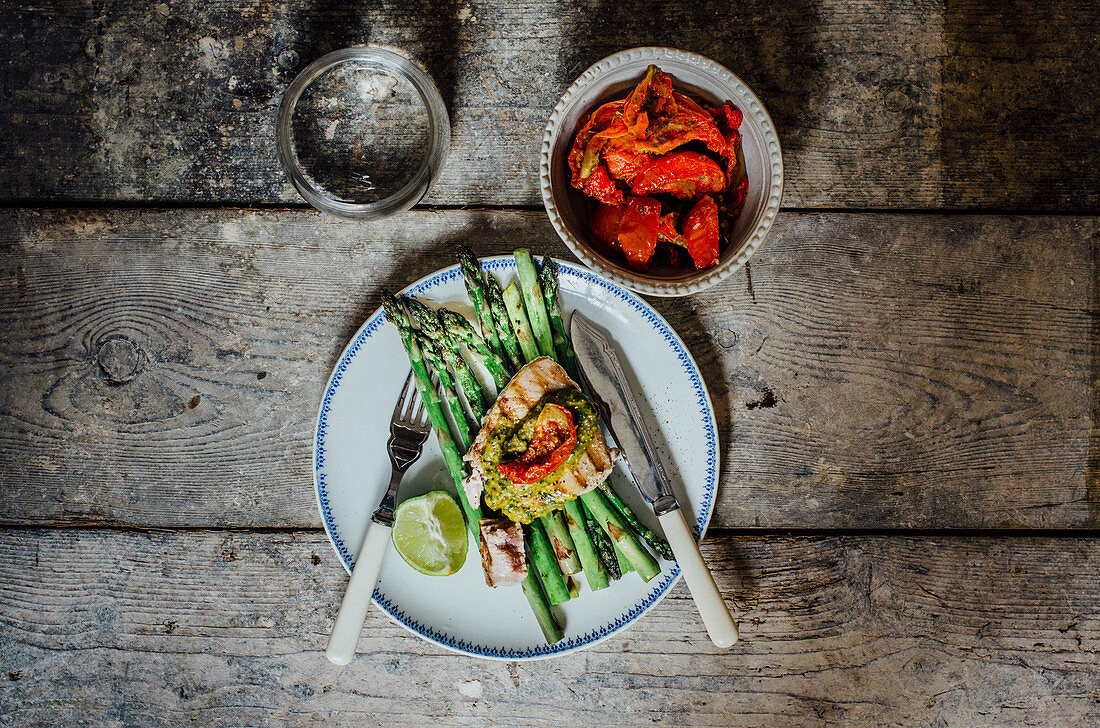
{"type": "Point", "coordinates": [653, 95]}
{"type": "Point", "coordinates": [624, 164]}
{"type": "Point", "coordinates": [604, 224]}
{"type": "Point", "coordinates": [684, 175]}
{"type": "Point", "coordinates": [701, 232]}
{"type": "Point", "coordinates": [730, 115]}
{"type": "Point", "coordinates": [638, 230]}
{"type": "Point", "coordinates": [666, 231]}
{"type": "Point", "coordinates": [599, 120]}
{"type": "Point", "coordinates": [553, 441]}
{"type": "Point", "coordinates": [600, 186]}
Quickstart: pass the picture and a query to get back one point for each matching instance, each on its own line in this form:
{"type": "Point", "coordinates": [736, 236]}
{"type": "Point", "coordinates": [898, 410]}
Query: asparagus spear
{"type": "Point", "coordinates": [533, 297]}
{"type": "Point", "coordinates": [396, 314]}
{"type": "Point", "coordinates": [614, 526]}
{"type": "Point", "coordinates": [542, 555]}
{"type": "Point", "coordinates": [508, 341]}
{"type": "Point", "coordinates": [428, 322]}
{"type": "Point", "coordinates": [434, 356]}
{"type": "Point", "coordinates": [625, 567]}
{"type": "Point", "coordinates": [548, 276]}
{"type": "Point", "coordinates": [536, 597]}
{"type": "Point", "coordinates": [594, 571]}
{"type": "Point", "coordinates": [604, 547]}
{"type": "Point", "coordinates": [561, 543]}
{"type": "Point", "coordinates": [456, 324]}
{"type": "Point", "coordinates": [475, 286]}
{"type": "Point", "coordinates": [659, 544]}
{"type": "Point", "coordinates": [513, 300]}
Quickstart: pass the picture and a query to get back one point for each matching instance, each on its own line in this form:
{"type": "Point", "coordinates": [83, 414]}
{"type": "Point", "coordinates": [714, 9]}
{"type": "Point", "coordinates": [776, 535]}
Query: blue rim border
{"type": "Point", "coordinates": [507, 263]}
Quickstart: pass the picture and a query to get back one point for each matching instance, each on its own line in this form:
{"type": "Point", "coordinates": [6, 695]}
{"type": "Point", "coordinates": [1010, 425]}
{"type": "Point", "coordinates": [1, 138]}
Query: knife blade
{"type": "Point", "coordinates": [607, 384]}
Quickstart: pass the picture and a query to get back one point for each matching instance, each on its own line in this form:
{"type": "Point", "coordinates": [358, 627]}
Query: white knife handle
{"type": "Point", "coordinates": [353, 610]}
{"type": "Point", "coordinates": [716, 616]}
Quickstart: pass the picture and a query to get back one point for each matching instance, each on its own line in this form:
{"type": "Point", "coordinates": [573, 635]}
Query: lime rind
{"type": "Point", "coordinates": [430, 534]}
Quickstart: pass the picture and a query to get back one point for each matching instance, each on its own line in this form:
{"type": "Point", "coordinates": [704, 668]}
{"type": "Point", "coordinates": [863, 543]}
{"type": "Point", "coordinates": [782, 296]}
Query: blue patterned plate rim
{"type": "Point", "coordinates": [507, 263]}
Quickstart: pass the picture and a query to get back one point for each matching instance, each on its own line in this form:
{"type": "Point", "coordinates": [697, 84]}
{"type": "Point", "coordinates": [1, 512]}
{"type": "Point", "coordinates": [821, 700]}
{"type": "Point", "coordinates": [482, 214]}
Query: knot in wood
{"type": "Point", "coordinates": [120, 360]}
{"type": "Point", "coordinates": [727, 338]}
{"type": "Point", "coordinates": [897, 101]}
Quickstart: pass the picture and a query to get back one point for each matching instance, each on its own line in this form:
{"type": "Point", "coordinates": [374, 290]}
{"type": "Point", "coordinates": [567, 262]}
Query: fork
{"type": "Point", "coordinates": [409, 429]}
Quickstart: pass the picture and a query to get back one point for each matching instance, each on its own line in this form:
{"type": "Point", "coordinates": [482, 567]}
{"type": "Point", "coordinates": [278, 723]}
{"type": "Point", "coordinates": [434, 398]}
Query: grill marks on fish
{"type": "Point", "coordinates": [502, 552]}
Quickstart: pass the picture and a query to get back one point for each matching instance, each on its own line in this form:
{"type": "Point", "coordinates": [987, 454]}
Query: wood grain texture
{"type": "Point", "coordinates": [163, 629]}
{"type": "Point", "coordinates": [868, 370]}
{"type": "Point", "coordinates": [878, 104]}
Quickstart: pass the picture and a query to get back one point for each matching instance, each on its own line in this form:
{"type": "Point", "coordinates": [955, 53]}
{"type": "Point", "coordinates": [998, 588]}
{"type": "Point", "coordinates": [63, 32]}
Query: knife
{"type": "Point", "coordinates": [606, 383]}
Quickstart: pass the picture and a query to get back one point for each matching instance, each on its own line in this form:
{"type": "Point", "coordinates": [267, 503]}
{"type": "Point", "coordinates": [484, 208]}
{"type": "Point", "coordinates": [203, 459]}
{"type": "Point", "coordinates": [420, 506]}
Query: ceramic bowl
{"type": "Point", "coordinates": [612, 78]}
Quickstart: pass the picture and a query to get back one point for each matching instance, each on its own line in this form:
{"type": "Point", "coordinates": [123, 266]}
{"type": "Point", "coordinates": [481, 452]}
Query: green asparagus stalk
{"type": "Point", "coordinates": [427, 320]}
{"type": "Point", "coordinates": [456, 325]}
{"type": "Point", "coordinates": [548, 276]}
{"type": "Point", "coordinates": [434, 356]}
{"type": "Point", "coordinates": [532, 589]}
{"type": "Point", "coordinates": [513, 300]}
{"type": "Point", "coordinates": [625, 567]}
{"type": "Point", "coordinates": [397, 315]}
{"type": "Point", "coordinates": [508, 343]}
{"type": "Point", "coordinates": [614, 526]}
{"type": "Point", "coordinates": [542, 555]}
{"type": "Point", "coordinates": [561, 543]}
{"type": "Point", "coordinates": [475, 286]}
{"type": "Point", "coordinates": [536, 597]}
{"type": "Point", "coordinates": [533, 297]}
{"type": "Point", "coordinates": [594, 571]}
{"type": "Point", "coordinates": [659, 544]}
{"type": "Point", "coordinates": [604, 547]}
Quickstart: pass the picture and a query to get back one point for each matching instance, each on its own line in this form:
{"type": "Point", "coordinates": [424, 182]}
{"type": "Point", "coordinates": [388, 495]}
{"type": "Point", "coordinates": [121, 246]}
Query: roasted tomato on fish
{"type": "Point", "coordinates": [664, 174]}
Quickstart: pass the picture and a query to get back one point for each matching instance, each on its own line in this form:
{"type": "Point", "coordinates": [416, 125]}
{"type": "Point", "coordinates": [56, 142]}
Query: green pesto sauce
{"type": "Point", "coordinates": [525, 503]}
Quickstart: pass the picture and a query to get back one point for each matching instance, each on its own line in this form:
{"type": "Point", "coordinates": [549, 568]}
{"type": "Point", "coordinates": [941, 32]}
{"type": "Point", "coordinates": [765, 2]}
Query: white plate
{"type": "Point", "coordinates": [460, 612]}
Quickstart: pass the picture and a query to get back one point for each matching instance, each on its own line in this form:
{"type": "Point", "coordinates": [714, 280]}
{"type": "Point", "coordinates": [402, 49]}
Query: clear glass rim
{"type": "Point", "coordinates": [439, 132]}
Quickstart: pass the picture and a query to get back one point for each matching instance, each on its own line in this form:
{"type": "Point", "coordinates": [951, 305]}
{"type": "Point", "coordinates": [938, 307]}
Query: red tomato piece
{"type": "Point", "coordinates": [554, 439]}
{"type": "Point", "coordinates": [653, 94]}
{"type": "Point", "coordinates": [623, 164]}
{"type": "Point", "coordinates": [604, 224]}
{"type": "Point", "coordinates": [666, 231]}
{"type": "Point", "coordinates": [701, 232]}
{"type": "Point", "coordinates": [683, 175]}
{"type": "Point", "coordinates": [638, 230]}
{"type": "Point", "coordinates": [688, 102]}
{"type": "Point", "coordinates": [599, 120]}
{"type": "Point", "coordinates": [687, 125]}
{"type": "Point", "coordinates": [742, 189]}
{"type": "Point", "coordinates": [600, 186]}
{"type": "Point", "coordinates": [731, 115]}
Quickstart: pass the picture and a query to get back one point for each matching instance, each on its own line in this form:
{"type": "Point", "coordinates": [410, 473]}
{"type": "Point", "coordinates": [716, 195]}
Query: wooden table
{"type": "Point", "coordinates": [905, 375]}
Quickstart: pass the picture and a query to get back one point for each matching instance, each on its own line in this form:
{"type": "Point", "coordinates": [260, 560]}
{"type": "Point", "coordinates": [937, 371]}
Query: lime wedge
{"type": "Point", "coordinates": [430, 534]}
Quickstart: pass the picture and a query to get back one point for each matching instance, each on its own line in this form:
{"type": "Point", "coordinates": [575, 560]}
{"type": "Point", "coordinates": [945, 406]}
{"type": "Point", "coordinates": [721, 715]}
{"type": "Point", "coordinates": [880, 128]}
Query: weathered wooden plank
{"type": "Point", "coordinates": [207, 628]}
{"type": "Point", "coordinates": [888, 371]}
{"type": "Point", "coordinates": [878, 104]}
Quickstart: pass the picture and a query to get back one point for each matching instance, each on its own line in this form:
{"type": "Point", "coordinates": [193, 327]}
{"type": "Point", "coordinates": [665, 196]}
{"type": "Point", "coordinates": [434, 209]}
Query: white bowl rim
{"type": "Point", "coordinates": [752, 107]}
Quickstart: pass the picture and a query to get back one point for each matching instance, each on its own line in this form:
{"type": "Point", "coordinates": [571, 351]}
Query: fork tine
{"type": "Point", "coordinates": [421, 418]}
{"type": "Point", "coordinates": [401, 401]}
{"type": "Point", "coordinates": [410, 406]}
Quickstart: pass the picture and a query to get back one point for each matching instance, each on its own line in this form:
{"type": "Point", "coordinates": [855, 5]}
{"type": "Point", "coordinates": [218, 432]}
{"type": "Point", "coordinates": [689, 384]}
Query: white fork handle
{"type": "Point", "coordinates": [712, 608]}
{"type": "Point", "coordinates": [349, 620]}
